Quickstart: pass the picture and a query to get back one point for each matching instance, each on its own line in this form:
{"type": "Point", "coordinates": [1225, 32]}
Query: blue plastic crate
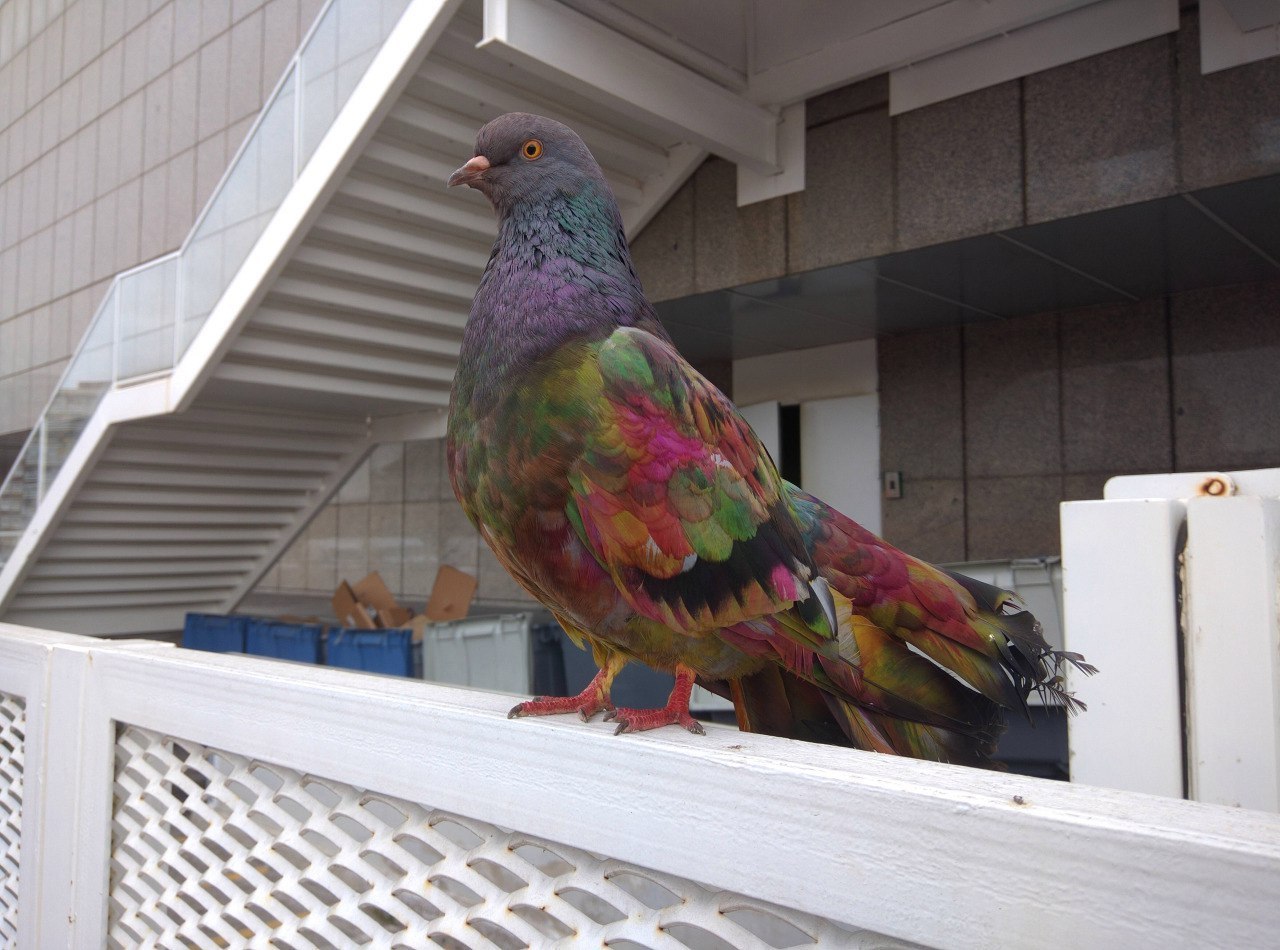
{"type": "Point", "coordinates": [285, 641]}
{"type": "Point", "coordinates": [373, 651]}
{"type": "Point", "coordinates": [217, 633]}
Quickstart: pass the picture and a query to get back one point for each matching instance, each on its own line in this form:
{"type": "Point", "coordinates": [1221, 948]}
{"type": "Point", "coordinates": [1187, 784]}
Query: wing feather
{"type": "Point", "coordinates": [676, 497]}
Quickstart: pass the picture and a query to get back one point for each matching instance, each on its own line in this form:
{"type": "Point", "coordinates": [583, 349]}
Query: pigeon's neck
{"type": "Point", "coordinates": [559, 272]}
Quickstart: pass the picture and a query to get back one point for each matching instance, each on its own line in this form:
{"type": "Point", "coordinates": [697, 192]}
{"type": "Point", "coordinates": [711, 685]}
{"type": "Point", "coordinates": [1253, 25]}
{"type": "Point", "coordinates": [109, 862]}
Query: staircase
{"type": "Point", "coordinates": [224, 392]}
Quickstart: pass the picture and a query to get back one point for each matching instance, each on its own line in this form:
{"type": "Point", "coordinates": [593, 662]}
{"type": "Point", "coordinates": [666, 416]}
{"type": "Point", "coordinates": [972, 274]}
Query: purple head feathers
{"type": "Point", "coordinates": [523, 159]}
{"type": "Point", "coordinates": [560, 269]}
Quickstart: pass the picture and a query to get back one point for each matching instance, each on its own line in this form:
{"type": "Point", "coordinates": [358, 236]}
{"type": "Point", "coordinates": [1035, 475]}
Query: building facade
{"type": "Point", "coordinates": [117, 120]}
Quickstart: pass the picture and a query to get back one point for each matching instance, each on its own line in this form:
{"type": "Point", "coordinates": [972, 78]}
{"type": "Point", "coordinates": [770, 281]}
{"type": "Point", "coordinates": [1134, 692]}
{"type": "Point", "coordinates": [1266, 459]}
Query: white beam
{"type": "Point", "coordinates": [942, 27]}
{"type": "Point", "coordinates": [1119, 561]}
{"type": "Point", "coordinates": [552, 41]}
{"type": "Point", "coordinates": [425, 209]}
{"type": "Point", "coordinates": [387, 271]}
{"type": "Point", "coordinates": [71, 537]}
{"type": "Point", "coordinates": [376, 233]}
{"type": "Point", "coordinates": [1233, 651]}
{"type": "Point", "coordinates": [1071, 36]}
{"type": "Point", "coordinates": [337, 384]}
{"type": "Point", "coordinates": [216, 444]}
{"type": "Point", "coordinates": [754, 186]}
{"type": "Point", "coordinates": [414, 163]}
{"type": "Point", "coordinates": [1237, 33]}
{"type": "Point", "coordinates": [343, 332]}
{"type": "Point", "coordinates": [118, 564]}
{"type": "Point", "coordinates": [330, 295]}
{"type": "Point", "coordinates": [342, 360]}
{"type": "Point", "coordinates": [683, 161]}
{"type": "Point", "coordinates": [202, 477]}
{"type": "Point", "coordinates": [1078, 866]}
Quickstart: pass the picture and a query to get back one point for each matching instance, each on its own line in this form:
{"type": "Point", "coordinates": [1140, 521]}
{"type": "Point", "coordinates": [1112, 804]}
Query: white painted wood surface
{"type": "Point", "coordinates": [937, 855]}
{"type": "Point", "coordinates": [1120, 610]}
{"type": "Point", "coordinates": [1221, 698]}
{"type": "Point", "coordinates": [1233, 651]}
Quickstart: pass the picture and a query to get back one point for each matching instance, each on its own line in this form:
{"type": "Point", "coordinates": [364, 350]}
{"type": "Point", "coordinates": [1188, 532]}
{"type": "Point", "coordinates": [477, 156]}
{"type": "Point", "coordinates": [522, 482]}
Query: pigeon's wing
{"type": "Point", "coordinates": [675, 496]}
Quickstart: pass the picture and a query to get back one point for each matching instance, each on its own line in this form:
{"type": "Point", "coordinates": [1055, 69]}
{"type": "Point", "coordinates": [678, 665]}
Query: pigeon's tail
{"type": "Point", "coordinates": [1023, 655]}
{"type": "Point", "coordinates": [928, 662]}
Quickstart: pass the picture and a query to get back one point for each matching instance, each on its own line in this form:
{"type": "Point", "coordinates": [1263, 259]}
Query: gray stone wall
{"type": "Point", "coordinates": [117, 118]}
{"type": "Point", "coordinates": [1133, 124]}
{"type": "Point", "coordinates": [993, 425]}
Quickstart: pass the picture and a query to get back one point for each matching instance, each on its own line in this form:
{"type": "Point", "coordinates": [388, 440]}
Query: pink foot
{"type": "Point", "coordinates": [640, 720]}
{"type": "Point", "coordinates": [583, 704]}
{"type": "Point", "coordinates": [586, 704]}
{"type": "Point", "coordinates": [674, 713]}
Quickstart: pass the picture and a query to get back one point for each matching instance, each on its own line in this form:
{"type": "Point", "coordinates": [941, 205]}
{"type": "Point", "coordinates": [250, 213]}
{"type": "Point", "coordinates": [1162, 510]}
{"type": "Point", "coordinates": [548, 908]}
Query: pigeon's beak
{"type": "Point", "coordinates": [470, 173]}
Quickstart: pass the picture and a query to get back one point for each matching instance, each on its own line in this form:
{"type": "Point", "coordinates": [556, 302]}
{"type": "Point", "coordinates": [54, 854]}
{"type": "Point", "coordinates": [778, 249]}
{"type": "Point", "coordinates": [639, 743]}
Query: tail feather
{"type": "Point", "coordinates": [879, 732]}
{"type": "Point", "coordinates": [923, 662]}
{"type": "Point", "coordinates": [1029, 661]}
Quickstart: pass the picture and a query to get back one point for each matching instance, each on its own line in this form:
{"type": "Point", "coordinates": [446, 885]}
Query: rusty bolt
{"type": "Point", "coordinates": [1215, 486]}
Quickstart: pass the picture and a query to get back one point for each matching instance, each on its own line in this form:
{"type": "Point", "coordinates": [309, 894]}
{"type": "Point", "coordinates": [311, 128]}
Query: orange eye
{"type": "Point", "coordinates": [531, 150]}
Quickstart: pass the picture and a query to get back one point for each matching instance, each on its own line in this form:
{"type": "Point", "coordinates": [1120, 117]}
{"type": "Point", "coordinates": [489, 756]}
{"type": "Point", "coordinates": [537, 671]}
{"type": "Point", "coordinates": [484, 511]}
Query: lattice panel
{"type": "Point", "coordinates": [13, 727]}
{"type": "Point", "coordinates": [211, 849]}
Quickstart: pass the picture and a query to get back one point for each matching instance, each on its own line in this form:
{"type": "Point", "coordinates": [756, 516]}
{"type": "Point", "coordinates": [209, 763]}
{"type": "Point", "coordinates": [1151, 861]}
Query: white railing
{"type": "Point", "coordinates": [152, 313]}
{"type": "Point", "coordinates": [1172, 588]}
{"type": "Point", "coordinates": [172, 798]}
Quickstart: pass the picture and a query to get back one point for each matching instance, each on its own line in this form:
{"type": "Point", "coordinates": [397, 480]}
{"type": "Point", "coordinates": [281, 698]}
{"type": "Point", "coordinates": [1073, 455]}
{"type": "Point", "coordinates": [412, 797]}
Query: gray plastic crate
{"type": "Point", "coordinates": [487, 653]}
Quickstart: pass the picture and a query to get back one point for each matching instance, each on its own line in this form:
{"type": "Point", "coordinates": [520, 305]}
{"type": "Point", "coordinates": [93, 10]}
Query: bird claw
{"type": "Point", "coordinates": [585, 706]}
{"type": "Point", "coordinates": [642, 720]}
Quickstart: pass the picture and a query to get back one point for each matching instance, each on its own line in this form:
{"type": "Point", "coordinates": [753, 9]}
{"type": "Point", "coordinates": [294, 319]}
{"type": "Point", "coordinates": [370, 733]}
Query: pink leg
{"type": "Point", "coordinates": [674, 713]}
{"type": "Point", "coordinates": [586, 704]}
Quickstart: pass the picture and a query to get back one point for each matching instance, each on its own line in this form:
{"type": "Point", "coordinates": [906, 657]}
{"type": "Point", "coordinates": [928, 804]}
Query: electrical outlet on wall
{"type": "Point", "coordinates": [892, 484]}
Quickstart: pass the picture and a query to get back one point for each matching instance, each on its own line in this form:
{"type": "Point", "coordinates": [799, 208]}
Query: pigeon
{"type": "Point", "coordinates": [627, 494]}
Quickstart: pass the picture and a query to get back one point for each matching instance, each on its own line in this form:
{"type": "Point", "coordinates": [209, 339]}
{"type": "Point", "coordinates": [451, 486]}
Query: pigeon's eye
{"type": "Point", "coordinates": [531, 149]}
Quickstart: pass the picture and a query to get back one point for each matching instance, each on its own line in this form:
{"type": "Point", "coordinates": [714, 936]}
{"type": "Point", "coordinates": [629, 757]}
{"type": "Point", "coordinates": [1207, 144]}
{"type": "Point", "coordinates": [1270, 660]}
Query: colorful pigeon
{"type": "Point", "coordinates": [626, 493]}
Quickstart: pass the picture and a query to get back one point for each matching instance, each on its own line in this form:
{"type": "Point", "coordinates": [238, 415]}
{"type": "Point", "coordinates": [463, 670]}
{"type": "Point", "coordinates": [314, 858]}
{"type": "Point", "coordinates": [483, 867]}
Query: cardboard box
{"type": "Point", "coordinates": [373, 593]}
{"type": "Point", "coordinates": [349, 611]}
{"type": "Point", "coordinates": [451, 595]}
{"type": "Point", "coordinates": [370, 605]}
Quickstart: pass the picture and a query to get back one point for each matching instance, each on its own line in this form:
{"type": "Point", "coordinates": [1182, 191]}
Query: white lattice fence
{"type": "Point", "coordinates": [305, 808]}
{"type": "Point", "coordinates": [212, 849]}
{"type": "Point", "coordinates": [13, 724]}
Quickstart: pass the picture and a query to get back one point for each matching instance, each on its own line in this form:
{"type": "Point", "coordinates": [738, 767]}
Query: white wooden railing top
{"type": "Point", "coordinates": [228, 770]}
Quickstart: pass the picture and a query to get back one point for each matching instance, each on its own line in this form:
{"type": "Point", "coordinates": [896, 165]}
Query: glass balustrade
{"type": "Point", "coordinates": [151, 314]}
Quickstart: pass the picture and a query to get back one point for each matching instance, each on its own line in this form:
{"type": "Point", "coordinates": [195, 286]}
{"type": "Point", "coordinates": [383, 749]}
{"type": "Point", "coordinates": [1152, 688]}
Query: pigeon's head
{"type": "Point", "coordinates": [523, 158]}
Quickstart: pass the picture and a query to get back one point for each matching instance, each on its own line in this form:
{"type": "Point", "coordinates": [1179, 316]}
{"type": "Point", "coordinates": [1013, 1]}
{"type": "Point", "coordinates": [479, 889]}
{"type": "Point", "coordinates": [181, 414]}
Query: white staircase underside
{"type": "Point", "coordinates": [177, 510]}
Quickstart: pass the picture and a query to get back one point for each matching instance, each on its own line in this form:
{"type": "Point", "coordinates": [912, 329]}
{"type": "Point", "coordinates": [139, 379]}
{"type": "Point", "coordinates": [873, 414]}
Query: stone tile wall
{"type": "Point", "coordinates": [1126, 126]}
{"type": "Point", "coordinates": [117, 118]}
{"type": "Point", "coordinates": [993, 425]}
